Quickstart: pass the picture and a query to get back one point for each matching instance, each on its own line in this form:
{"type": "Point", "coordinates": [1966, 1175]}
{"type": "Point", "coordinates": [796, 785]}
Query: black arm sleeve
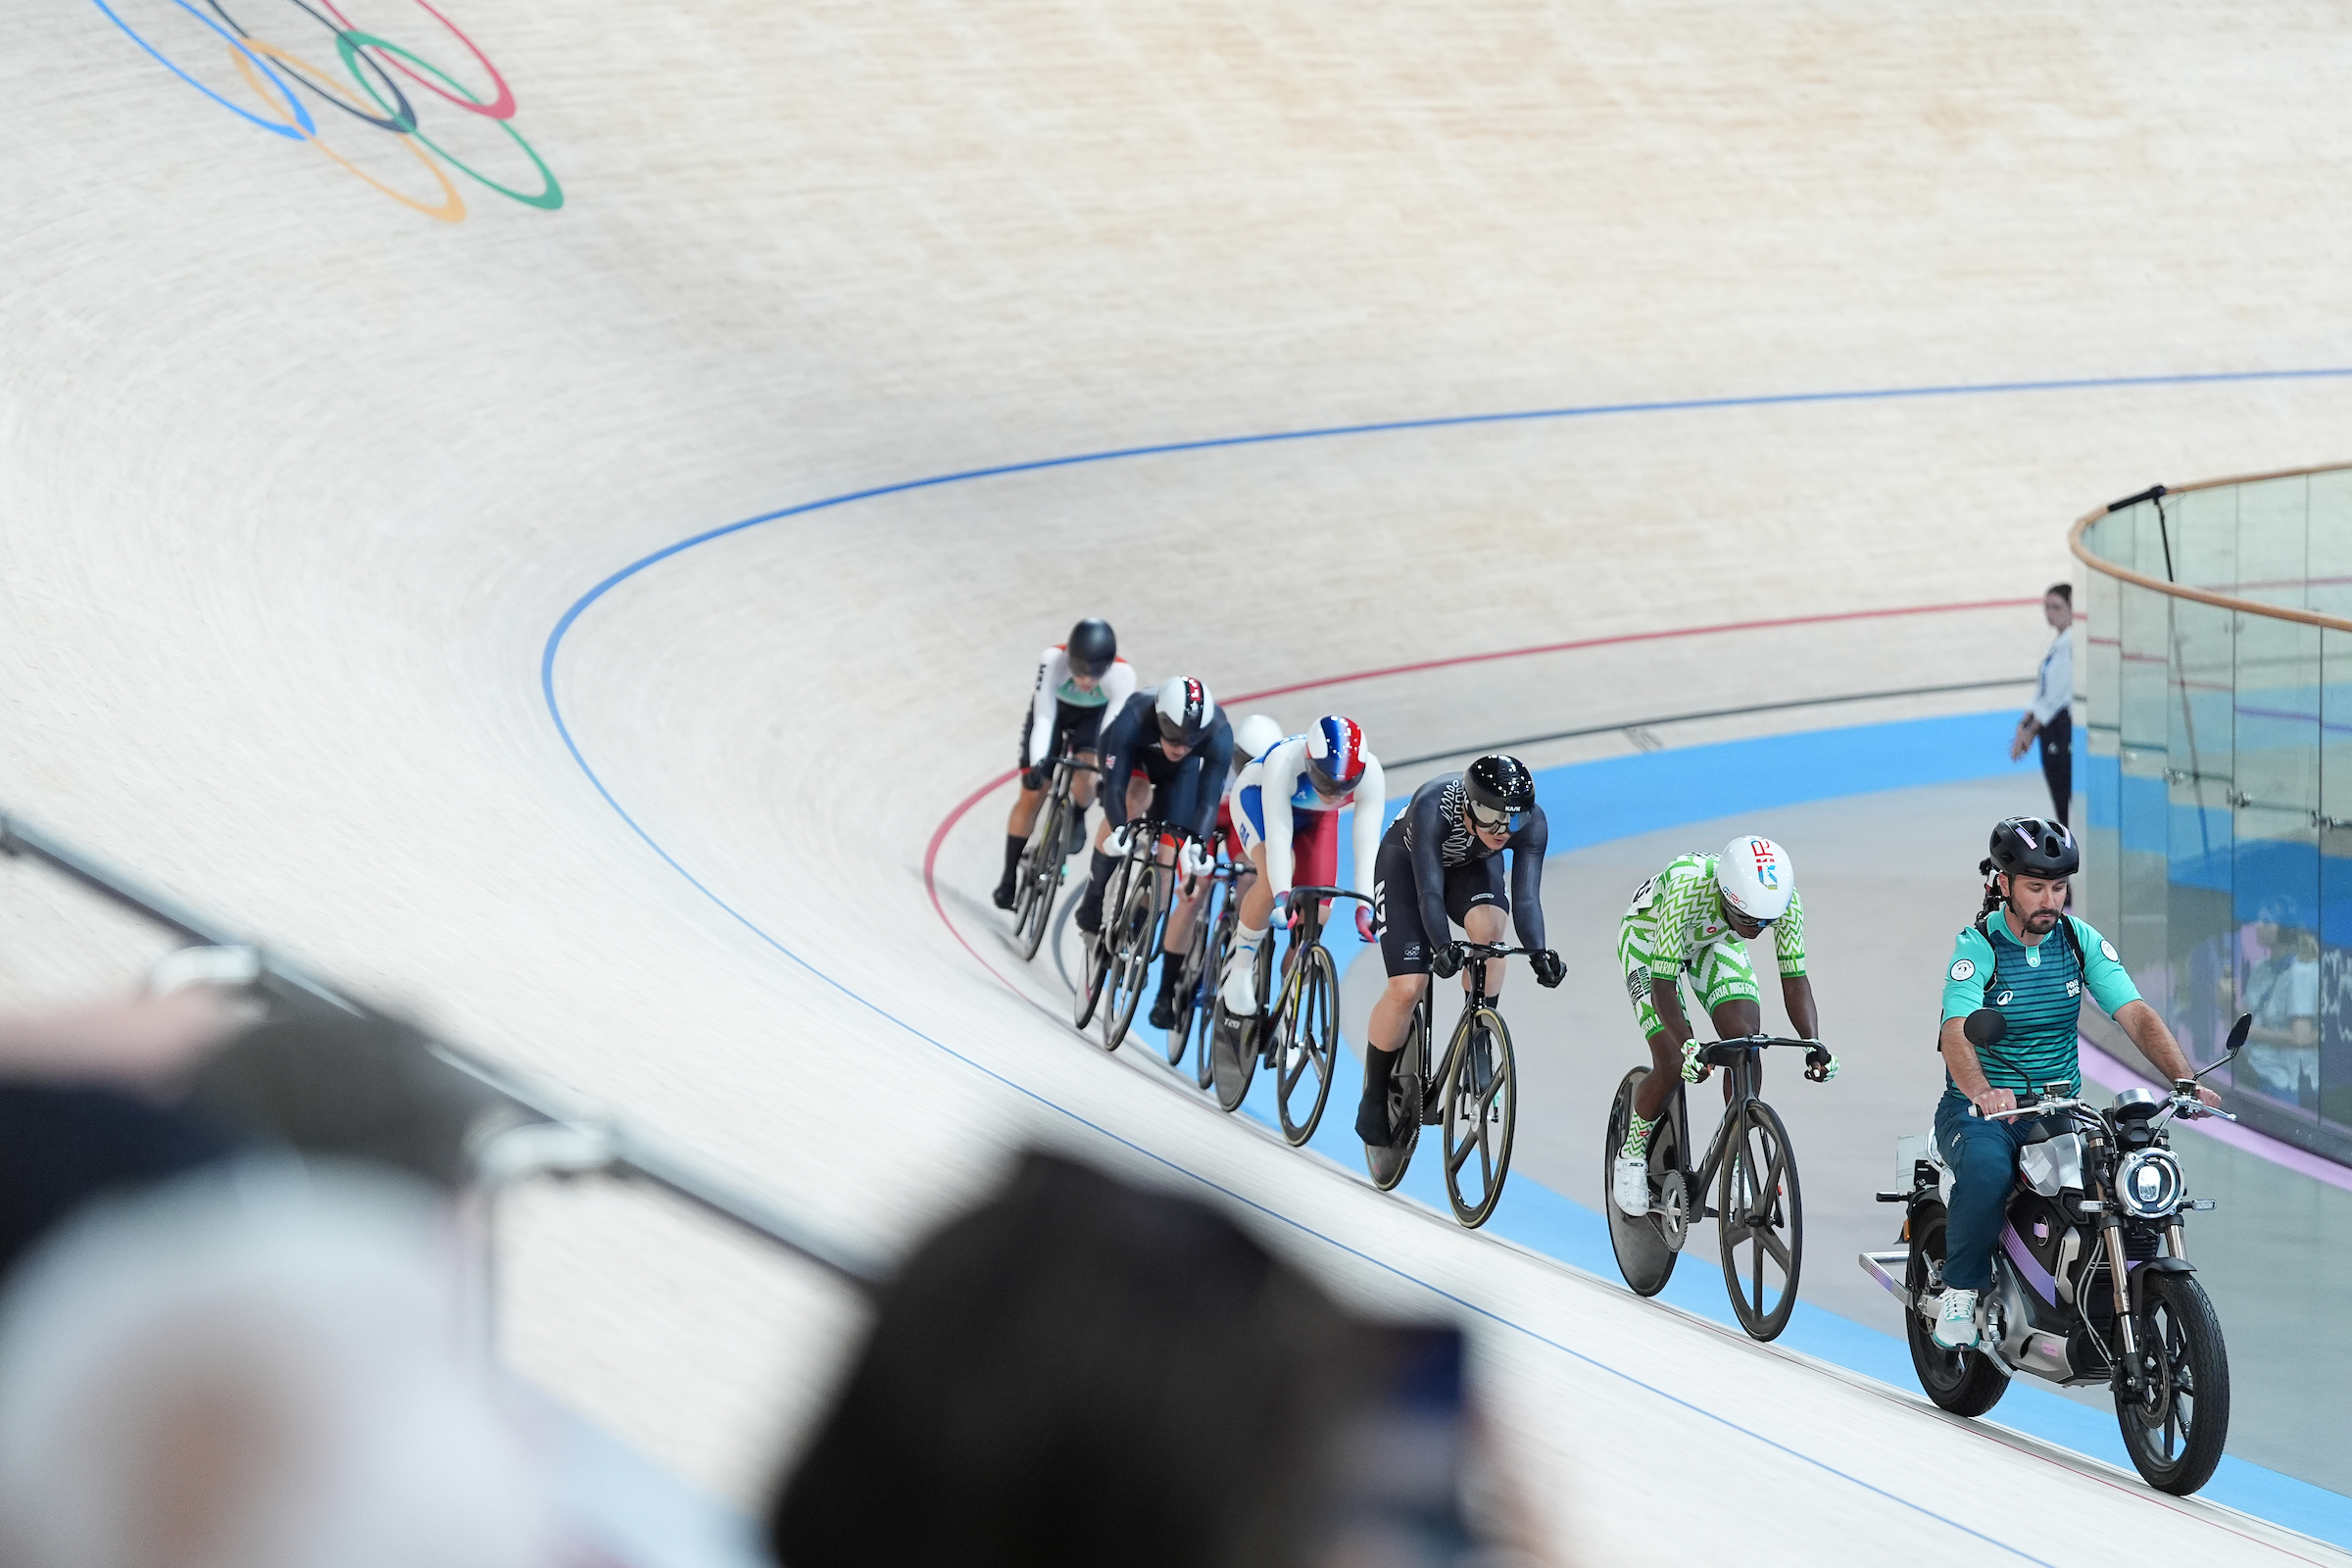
{"type": "Point", "coordinates": [1428, 831]}
{"type": "Point", "coordinates": [1114, 750]}
{"type": "Point", "coordinates": [1527, 878]}
{"type": "Point", "coordinates": [1215, 758]}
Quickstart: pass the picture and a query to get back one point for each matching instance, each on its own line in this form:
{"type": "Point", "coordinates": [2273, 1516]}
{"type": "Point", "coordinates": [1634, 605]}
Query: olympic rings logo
{"type": "Point", "coordinates": [371, 61]}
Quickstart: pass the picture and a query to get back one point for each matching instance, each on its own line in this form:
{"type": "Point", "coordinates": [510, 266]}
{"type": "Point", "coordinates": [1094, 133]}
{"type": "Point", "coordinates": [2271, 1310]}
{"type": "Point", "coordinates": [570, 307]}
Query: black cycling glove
{"type": "Point", "coordinates": [1445, 960]}
{"type": "Point", "coordinates": [1549, 970]}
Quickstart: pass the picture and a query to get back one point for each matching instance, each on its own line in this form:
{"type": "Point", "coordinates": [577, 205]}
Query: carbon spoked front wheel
{"type": "Point", "coordinates": [1406, 1086]}
{"type": "Point", "coordinates": [1761, 1222]}
{"type": "Point", "coordinates": [1643, 1255]}
{"type": "Point", "coordinates": [1202, 1024]}
{"type": "Point", "coordinates": [1481, 1112]}
{"type": "Point", "coordinates": [1134, 940]}
{"type": "Point", "coordinates": [1307, 1039]}
{"type": "Point", "coordinates": [1039, 880]}
{"type": "Point", "coordinates": [1189, 987]}
{"type": "Point", "coordinates": [1094, 958]}
{"type": "Point", "coordinates": [2177, 1421]}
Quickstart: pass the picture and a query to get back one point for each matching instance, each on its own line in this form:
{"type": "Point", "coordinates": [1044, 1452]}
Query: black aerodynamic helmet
{"type": "Point", "coordinates": [2031, 846]}
{"type": "Point", "coordinates": [1500, 788]}
{"type": "Point", "coordinates": [1093, 645]}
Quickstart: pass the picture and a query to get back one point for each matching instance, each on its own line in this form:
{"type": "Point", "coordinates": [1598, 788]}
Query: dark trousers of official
{"type": "Point", "coordinates": [1982, 1157]}
{"type": "Point", "coordinates": [2058, 761]}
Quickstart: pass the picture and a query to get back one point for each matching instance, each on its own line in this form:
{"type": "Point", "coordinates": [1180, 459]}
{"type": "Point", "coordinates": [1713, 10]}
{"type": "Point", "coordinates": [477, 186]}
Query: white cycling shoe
{"type": "Point", "coordinates": [1956, 1322]}
{"type": "Point", "coordinates": [1239, 992]}
{"type": "Point", "coordinates": [1629, 1185]}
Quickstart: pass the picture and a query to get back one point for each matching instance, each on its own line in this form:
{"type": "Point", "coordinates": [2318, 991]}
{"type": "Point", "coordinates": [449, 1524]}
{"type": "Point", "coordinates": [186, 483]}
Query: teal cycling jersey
{"type": "Point", "coordinates": [2038, 989]}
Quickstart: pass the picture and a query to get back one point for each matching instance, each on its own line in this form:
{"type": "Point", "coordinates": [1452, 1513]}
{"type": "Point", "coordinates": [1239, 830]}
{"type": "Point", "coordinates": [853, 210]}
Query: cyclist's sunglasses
{"type": "Point", "coordinates": [1497, 821]}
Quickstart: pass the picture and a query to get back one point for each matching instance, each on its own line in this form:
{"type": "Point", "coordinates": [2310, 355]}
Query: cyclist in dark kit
{"type": "Point", "coordinates": [1439, 865]}
{"type": "Point", "coordinates": [1165, 755]}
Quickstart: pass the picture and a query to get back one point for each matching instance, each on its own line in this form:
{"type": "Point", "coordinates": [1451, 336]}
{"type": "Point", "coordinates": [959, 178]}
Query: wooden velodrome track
{"type": "Point", "coordinates": [297, 484]}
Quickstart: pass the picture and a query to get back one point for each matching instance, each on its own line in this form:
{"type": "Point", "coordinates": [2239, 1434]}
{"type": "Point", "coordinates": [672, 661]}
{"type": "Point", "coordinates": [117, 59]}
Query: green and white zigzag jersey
{"type": "Point", "coordinates": [1678, 914]}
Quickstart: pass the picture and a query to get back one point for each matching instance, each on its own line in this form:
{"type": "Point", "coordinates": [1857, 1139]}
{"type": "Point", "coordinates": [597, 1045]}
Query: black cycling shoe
{"type": "Point", "coordinates": [1089, 916]}
{"type": "Point", "coordinates": [1002, 898]}
{"type": "Point", "coordinates": [1077, 839]}
{"type": "Point", "coordinates": [1163, 1012]}
{"type": "Point", "coordinates": [1372, 1121]}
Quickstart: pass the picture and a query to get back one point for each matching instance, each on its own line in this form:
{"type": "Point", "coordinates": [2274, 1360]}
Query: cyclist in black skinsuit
{"type": "Point", "coordinates": [1178, 741]}
{"type": "Point", "coordinates": [1443, 858]}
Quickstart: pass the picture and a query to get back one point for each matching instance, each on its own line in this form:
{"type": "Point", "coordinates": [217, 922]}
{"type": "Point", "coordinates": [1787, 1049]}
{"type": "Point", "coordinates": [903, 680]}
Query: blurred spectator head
{"type": "Point", "coordinates": [262, 1365]}
{"type": "Point", "coordinates": [1083, 1372]}
{"type": "Point", "coordinates": [2058, 604]}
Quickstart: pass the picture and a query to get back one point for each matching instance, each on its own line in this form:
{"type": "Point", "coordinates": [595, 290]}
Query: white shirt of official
{"type": "Point", "coordinates": [2056, 693]}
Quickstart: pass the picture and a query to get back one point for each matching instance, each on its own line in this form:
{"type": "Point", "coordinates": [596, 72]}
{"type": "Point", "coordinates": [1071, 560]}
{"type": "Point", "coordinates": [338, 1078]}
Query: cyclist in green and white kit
{"type": "Point", "coordinates": [1691, 919]}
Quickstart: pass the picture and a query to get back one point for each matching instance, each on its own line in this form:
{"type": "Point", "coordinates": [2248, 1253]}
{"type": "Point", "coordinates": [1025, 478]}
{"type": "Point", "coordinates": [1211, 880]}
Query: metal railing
{"type": "Point", "coordinates": [515, 1131]}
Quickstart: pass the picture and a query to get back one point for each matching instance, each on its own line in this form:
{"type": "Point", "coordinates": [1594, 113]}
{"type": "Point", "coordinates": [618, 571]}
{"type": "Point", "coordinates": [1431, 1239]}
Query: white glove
{"type": "Point", "coordinates": [1197, 861]}
{"type": "Point", "coordinates": [1116, 844]}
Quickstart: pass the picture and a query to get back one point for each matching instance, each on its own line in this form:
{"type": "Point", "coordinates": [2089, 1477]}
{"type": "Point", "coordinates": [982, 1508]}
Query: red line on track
{"type": "Point", "coordinates": [947, 823]}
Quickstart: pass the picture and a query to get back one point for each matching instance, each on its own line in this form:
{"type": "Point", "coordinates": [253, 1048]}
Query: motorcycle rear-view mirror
{"type": "Point", "coordinates": [1984, 1026]}
{"type": "Point", "coordinates": [2233, 1044]}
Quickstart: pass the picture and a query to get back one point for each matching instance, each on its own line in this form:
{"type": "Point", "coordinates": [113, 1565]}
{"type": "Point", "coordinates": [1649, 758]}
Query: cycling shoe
{"type": "Point", "coordinates": [1002, 898]}
{"type": "Point", "coordinates": [1629, 1185]}
{"type": "Point", "coordinates": [1372, 1121]}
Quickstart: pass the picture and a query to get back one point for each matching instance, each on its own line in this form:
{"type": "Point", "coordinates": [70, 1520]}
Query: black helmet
{"type": "Point", "coordinates": [1500, 788]}
{"type": "Point", "coordinates": [1185, 710]}
{"type": "Point", "coordinates": [1093, 645]}
{"type": "Point", "coordinates": [2029, 846]}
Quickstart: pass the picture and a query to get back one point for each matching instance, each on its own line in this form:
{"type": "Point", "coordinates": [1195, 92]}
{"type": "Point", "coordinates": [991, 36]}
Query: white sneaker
{"type": "Point", "coordinates": [1956, 1324]}
{"type": "Point", "coordinates": [1630, 1185]}
{"type": "Point", "coordinates": [1239, 992]}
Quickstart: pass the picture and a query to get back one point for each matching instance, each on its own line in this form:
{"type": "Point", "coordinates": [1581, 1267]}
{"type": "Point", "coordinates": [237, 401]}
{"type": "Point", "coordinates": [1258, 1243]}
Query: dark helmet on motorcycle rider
{"type": "Point", "coordinates": [1185, 710]}
{"type": "Point", "coordinates": [1093, 645]}
{"type": "Point", "coordinates": [2032, 846]}
{"type": "Point", "coordinates": [1500, 791]}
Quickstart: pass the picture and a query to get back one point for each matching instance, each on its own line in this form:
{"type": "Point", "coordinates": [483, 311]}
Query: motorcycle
{"type": "Point", "coordinates": [2092, 1282]}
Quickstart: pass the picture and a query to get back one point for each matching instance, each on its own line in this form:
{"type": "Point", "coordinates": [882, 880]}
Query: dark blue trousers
{"type": "Point", "coordinates": [1983, 1156]}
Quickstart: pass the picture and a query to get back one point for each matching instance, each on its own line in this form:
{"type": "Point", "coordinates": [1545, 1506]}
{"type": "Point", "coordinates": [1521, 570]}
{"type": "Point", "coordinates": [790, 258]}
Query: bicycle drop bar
{"type": "Point", "coordinates": [1328, 893]}
{"type": "Point", "coordinates": [1723, 1053]}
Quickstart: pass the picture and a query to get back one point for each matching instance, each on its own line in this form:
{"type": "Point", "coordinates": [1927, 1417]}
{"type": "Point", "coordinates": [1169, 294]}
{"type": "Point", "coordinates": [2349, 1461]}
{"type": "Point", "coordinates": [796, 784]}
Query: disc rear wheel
{"type": "Point", "coordinates": [1643, 1255]}
{"type": "Point", "coordinates": [1234, 1043]}
{"type": "Point", "coordinates": [1188, 991]}
{"type": "Point", "coordinates": [1387, 1162]}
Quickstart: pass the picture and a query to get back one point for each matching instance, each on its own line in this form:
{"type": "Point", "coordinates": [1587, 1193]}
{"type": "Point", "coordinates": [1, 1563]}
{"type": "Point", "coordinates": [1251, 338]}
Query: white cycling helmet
{"type": "Point", "coordinates": [1254, 737]}
{"type": "Point", "coordinates": [1757, 878]}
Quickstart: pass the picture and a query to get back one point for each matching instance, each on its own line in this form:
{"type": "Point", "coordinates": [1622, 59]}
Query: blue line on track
{"type": "Point", "coordinates": [555, 640]}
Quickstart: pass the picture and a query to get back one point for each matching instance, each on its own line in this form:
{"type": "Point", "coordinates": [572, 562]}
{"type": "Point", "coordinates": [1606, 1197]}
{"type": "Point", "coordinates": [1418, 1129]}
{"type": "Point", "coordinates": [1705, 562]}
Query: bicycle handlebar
{"type": "Point", "coordinates": [1328, 893]}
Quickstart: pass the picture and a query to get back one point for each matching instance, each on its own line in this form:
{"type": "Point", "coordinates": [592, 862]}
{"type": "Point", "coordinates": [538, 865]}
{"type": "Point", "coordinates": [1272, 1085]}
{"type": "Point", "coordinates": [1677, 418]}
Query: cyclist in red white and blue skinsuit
{"type": "Point", "coordinates": [1286, 806]}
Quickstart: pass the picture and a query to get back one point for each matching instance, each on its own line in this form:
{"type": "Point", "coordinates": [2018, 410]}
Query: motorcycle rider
{"type": "Point", "coordinates": [2006, 962]}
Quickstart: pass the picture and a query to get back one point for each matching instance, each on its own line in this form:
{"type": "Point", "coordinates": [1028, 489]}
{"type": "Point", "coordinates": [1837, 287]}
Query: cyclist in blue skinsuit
{"type": "Point", "coordinates": [1165, 755]}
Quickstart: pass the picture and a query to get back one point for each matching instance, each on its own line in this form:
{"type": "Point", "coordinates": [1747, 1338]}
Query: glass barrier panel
{"type": "Point", "coordinates": [2203, 535]}
{"type": "Point", "coordinates": [2334, 831]}
{"type": "Point", "coordinates": [2277, 895]}
{"type": "Point", "coordinates": [2271, 541]}
{"type": "Point", "coordinates": [2201, 781]}
{"type": "Point", "coordinates": [2142, 808]}
{"type": "Point", "coordinates": [2098, 774]}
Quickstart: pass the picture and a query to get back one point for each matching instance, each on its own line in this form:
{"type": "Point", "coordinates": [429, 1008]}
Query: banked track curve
{"type": "Point", "coordinates": [553, 648]}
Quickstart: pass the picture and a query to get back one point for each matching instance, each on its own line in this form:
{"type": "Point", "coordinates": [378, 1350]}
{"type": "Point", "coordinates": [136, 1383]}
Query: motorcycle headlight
{"type": "Point", "coordinates": [2149, 1185]}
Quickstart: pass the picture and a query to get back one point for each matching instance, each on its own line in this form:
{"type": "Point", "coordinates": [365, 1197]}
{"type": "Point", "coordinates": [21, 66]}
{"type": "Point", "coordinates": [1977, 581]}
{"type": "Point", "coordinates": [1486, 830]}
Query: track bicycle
{"type": "Point", "coordinates": [1203, 960]}
{"type": "Point", "coordinates": [1472, 1092]}
{"type": "Point", "coordinates": [1753, 1167]}
{"type": "Point", "coordinates": [1298, 1037]}
{"type": "Point", "coordinates": [1118, 958]}
{"type": "Point", "coordinates": [1038, 876]}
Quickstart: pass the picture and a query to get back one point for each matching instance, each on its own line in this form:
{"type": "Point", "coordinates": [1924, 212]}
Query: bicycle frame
{"type": "Point", "coordinates": [1479, 954]}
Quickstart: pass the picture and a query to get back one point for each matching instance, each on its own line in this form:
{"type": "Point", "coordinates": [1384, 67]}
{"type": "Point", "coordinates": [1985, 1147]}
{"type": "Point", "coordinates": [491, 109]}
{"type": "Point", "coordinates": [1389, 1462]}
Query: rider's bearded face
{"type": "Point", "coordinates": [2035, 903]}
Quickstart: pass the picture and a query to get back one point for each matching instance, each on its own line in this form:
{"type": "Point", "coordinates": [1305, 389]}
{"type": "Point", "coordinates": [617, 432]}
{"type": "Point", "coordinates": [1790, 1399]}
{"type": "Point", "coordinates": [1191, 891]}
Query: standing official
{"type": "Point", "coordinates": [2052, 715]}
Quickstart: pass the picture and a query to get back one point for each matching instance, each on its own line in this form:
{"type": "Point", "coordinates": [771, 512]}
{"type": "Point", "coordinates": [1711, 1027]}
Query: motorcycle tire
{"type": "Point", "coordinates": [2175, 1424]}
{"type": "Point", "coordinates": [1963, 1382]}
